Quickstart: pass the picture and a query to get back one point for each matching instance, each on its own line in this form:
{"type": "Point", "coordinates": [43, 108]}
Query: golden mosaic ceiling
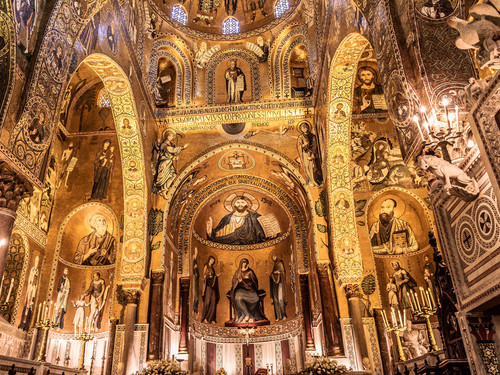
{"type": "Point", "coordinates": [217, 19]}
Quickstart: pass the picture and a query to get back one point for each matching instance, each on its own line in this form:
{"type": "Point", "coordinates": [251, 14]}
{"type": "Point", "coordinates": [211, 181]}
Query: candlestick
{"type": "Point", "coordinates": [393, 317]}
{"type": "Point", "coordinates": [415, 119]}
{"type": "Point", "coordinates": [400, 320]}
{"type": "Point", "coordinates": [429, 299]}
{"type": "Point", "coordinates": [456, 116]}
{"type": "Point", "coordinates": [432, 299]}
{"type": "Point", "coordinates": [10, 290]}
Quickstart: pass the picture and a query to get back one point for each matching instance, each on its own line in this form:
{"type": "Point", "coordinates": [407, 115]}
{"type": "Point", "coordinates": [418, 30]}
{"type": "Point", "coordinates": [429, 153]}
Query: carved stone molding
{"type": "Point", "coordinates": [13, 187]}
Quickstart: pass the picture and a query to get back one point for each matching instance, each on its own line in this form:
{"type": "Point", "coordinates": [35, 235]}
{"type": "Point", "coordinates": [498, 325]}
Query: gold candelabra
{"type": "Point", "coordinates": [44, 322]}
{"type": "Point", "coordinates": [397, 327]}
{"type": "Point", "coordinates": [83, 338]}
{"type": "Point", "coordinates": [426, 309]}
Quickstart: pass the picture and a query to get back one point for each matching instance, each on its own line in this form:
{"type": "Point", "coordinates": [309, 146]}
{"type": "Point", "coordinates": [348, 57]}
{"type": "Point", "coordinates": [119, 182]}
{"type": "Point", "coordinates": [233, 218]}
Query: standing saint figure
{"type": "Point", "coordinates": [79, 318]}
{"type": "Point", "coordinates": [236, 83]}
{"type": "Point", "coordinates": [391, 235]}
{"type": "Point", "coordinates": [240, 227]}
{"type": "Point", "coordinates": [405, 284]}
{"type": "Point", "coordinates": [98, 247]}
{"type": "Point", "coordinates": [310, 159]}
{"type": "Point", "coordinates": [103, 168]}
{"type": "Point", "coordinates": [61, 306]}
{"type": "Point", "coordinates": [97, 292]}
{"type": "Point", "coordinates": [29, 304]}
{"type": "Point", "coordinates": [277, 280]}
{"type": "Point", "coordinates": [210, 294]}
{"type": "Point", "coordinates": [165, 171]}
{"type": "Point", "coordinates": [392, 291]}
{"type": "Point", "coordinates": [196, 281]}
{"type": "Point", "coordinates": [244, 294]}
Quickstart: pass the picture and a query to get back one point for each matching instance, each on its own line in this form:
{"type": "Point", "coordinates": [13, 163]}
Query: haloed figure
{"type": "Point", "coordinates": [278, 291]}
{"type": "Point", "coordinates": [210, 294]}
{"type": "Point", "coordinates": [244, 294]}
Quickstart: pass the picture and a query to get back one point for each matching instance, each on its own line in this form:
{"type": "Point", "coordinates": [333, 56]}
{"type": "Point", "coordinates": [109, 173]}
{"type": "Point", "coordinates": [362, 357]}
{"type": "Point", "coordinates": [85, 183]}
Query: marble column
{"type": "Point", "coordinates": [155, 314]}
{"type": "Point", "coordinates": [331, 326]}
{"type": "Point", "coordinates": [306, 310]}
{"type": "Point", "coordinates": [184, 297]}
{"type": "Point", "coordinates": [483, 330]}
{"type": "Point", "coordinates": [358, 309]}
{"type": "Point", "coordinates": [13, 188]}
{"type": "Point", "coordinates": [111, 346]}
{"type": "Point", "coordinates": [132, 297]}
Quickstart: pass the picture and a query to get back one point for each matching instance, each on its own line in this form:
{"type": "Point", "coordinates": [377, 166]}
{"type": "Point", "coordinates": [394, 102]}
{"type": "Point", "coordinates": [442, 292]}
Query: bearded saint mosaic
{"type": "Point", "coordinates": [243, 225]}
{"type": "Point", "coordinates": [98, 248]}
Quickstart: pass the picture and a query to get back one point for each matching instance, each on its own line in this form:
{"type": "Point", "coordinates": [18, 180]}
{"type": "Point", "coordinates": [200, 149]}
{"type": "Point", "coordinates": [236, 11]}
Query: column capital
{"type": "Point", "coordinates": [157, 276]}
{"type": "Point", "coordinates": [13, 187]}
{"type": "Point", "coordinates": [352, 291]}
{"type": "Point", "coordinates": [132, 296]}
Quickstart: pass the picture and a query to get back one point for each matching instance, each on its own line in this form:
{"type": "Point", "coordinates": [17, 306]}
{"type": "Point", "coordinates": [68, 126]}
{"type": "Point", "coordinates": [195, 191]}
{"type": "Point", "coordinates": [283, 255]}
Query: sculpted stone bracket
{"type": "Point", "coordinates": [449, 179]}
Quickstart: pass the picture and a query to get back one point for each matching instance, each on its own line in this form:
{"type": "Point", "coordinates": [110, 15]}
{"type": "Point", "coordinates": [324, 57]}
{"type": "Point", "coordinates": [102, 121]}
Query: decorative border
{"type": "Point", "coordinates": [232, 335]}
{"type": "Point", "coordinates": [348, 261]}
{"type": "Point", "coordinates": [33, 231]}
{"type": "Point", "coordinates": [256, 246]}
{"type": "Point", "coordinates": [23, 274]}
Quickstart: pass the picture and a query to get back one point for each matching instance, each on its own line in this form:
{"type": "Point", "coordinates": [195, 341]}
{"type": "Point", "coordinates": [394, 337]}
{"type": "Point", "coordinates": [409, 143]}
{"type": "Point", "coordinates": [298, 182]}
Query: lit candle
{"type": "Point", "coordinates": [10, 290]}
{"type": "Point", "coordinates": [456, 116]}
{"type": "Point", "coordinates": [424, 301]}
{"type": "Point", "coordinates": [432, 299]}
{"type": "Point", "coordinates": [416, 300]}
{"type": "Point", "coordinates": [445, 103]}
{"type": "Point", "coordinates": [411, 302]}
{"type": "Point", "coordinates": [415, 119]}
{"type": "Point", "coordinates": [384, 318]}
{"type": "Point", "coordinates": [400, 319]}
{"type": "Point", "coordinates": [393, 317]}
{"type": "Point", "coordinates": [429, 299]}
{"type": "Point", "coordinates": [51, 311]}
{"type": "Point", "coordinates": [404, 317]}
{"type": "Point", "coordinates": [43, 310]}
{"type": "Point", "coordinates": [423, 111]}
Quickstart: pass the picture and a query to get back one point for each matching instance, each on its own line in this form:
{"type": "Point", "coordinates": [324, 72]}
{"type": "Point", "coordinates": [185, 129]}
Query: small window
{"type": "Point", "coordinates": [281, 7]}
{"type": "Point", "coordinates": [179, 14]}
{"type": "Point", "coordinates": [103, 99]}
{"type": "Point", "coordinates": [230, 26]}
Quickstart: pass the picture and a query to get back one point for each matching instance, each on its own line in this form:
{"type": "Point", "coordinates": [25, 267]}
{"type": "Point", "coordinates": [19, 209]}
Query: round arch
{"type": "Point", "coordinates": [343, 229]}
{"type": "Point", "coordinates": [133, 260]}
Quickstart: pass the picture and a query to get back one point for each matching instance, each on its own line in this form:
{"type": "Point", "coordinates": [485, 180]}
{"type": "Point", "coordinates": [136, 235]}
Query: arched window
{"type": "Point", "coordinates": [281, 7]}
{"type": "Point", "coordinates": [179, 14]}
{"type": "Point", "coordinates": [103, 99]}
{"type": "Point", "coordinates": [230, 26]}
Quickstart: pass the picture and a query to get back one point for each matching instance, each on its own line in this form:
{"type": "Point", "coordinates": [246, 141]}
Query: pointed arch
{"type": "Point", "coordinates": [182, 61]}
{"type": "Point", "coordinates": [219, 58]}
{"type": "Point", "coordinates": [133, 259]}
{"type": "Point", "coordinates": [343, 229]}
{"type": "Point", "coordinates": [7, 57]}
